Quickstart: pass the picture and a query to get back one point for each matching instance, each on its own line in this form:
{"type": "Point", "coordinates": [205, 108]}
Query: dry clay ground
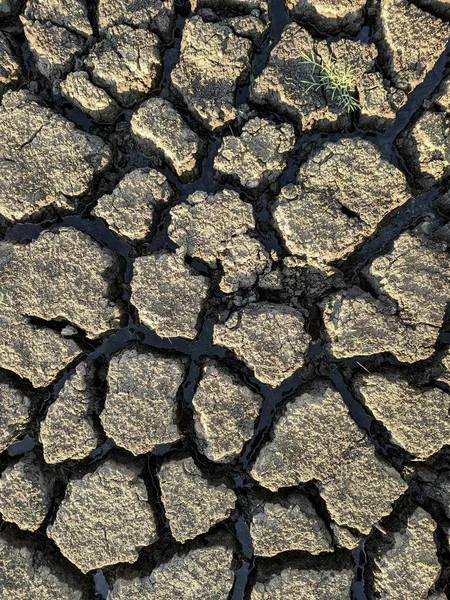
{"type": "Point", "coordinates": [224, 360]}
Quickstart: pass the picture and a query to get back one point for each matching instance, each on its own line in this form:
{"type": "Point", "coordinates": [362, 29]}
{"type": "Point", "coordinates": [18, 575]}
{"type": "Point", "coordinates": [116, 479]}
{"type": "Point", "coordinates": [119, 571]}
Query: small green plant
{"type": "Point", "coordinates": [340, 82]}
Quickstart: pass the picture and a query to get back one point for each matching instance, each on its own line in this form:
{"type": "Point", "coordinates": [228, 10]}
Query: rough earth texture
{"type": "Point", "coordinates": [417, 419]}
{"type": "Point", "coordinates": [257, 157]}
{"type": "Point", "coordinates": [158, 128]}
{"type": "Point", "coordinates": [127, 63]}
{"type": "Point", "coordinates": [135, 203]}
{"type": "Point", "coordinates": [225, 412]}
{"type": "Point", "coordinates": [168, 294]}
{"type": "Point", "coordinates": [27, 574]}
{"type": "Point", "coordinates": [215, 228]}
{"type": "Point", "coordinates": [68, 431]}
{"type": "Point", "coordinates": [329, 16]}
{"type": "Point", "coordinates": [413, 552]}
{"type": "Point", "coordinates": [268, 338]}
{"type": "Point", "coordinates": [342, 467]}
{"type": "Point", "coordinates": [45, 160]}
{"type": "Point", "coordinates": [202, 574]}
{"type": "Point", "coordinates": [14, 413]}
{"type": "Point", "coordinates": [359, 325]}
{"type": "Point", "coordinates": [114, 501]}
{"type": "Point", "coordinates": [25, 494]}
{"type": "Point", "coordinates": [62, 275]}
{"type": "Point", "coordinates": [305, 584]}
{"type": "Point", "coordinates": [224, 300]}
{"type": "Point", "coordinates": [192, 505]}
{"type": "Point", "coordinates": [290, 524]}
{"type": "Point", "coordinates": [89, 98]}
{"type": "Point", "coordinates": [340, 195]}
{"type": "Point", "coordinates": [141, 404]}
{"type": "Point", "coordinates": [213, 60]}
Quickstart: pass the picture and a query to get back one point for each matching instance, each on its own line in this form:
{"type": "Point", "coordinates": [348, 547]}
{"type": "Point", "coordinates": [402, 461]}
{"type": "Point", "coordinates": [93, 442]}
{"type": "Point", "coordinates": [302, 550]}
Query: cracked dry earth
{"type": "Point", "coordinates": [225, 335]}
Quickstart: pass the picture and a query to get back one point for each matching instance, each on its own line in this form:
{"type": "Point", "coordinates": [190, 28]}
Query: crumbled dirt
{"type": "Point", "coordinates": [224, 300]}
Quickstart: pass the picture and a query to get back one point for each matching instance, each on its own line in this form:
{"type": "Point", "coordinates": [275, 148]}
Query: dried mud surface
{"type": "Point", "coordinates": [224, 301]}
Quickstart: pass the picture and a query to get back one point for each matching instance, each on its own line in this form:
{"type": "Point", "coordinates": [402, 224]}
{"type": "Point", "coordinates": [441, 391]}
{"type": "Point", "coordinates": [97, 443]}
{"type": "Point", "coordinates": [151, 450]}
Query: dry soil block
{"type": "Point", "coordinates": [257, 157]}
{"type": "Point", "coordinates": [417, 419]}
{"type": "Point", "coordinates": [329, 16]}
{"type": "Point", "coordinates": [159, 129]}
{"type": "Point", "coordinates": [156, 15]}
{"type": "Point", "coordinates": [27, 573]}
{"type": "Point", "coordinates": [68, 432]}
{"type": "Point", "coordinates": [357, 486]}
{"type": "Point", "coordinates": [305, 584]}
{"type": "Point", "coordinates": [14, 413]}
{"type": "Point", "coordinates": [127, 63]}
{"type": "Point", "coordinates": [411, 41]}
{"type": "Point", "coordinates": [412, 283]}
{"type": "Point", "coordinates": [416, 274]}
{"type": "Point", "coordinates": [71, 14]}
{"type": "Point", "coordinates": [141, 404]}
{"type": "Point", "coordinates": [114, 503]}
{"type": "Point", "coordinates": [135, 203]}
{"type": "Point", "coordinates": [289, 524]}
{"type": "Point", "coordinates": [53, 48]}
{"type": "Point", "coordinates": [201, 574]}
{"type": "Point", "coordinates": [92, 100]}
{"type": "Point", "coordinates": [215, 228]}
{"type": "Point", "coordinates": [268, 338]}
{"type": "Point", "coordinates": [283, 85]}
{"type": "Point", "coordinates": [43, 158]}
{"type": "Point", "coordinates": [192, 505]}
{"type": "Point", "coordinates": [409, 565]}
{"type": "Point", "coordinates": [33, 352]}
{"type": "Point", "coordinates": [9, 65]}
{"type": "Point", "coordinates": [425, 144]}
{"type": "Point", "coordinates": [25, 493]}
{"type": "Point", "coordinates": [341, 194]}
{"type": "Point", "coordinates": [359, 325]}
{"type": "Point", "coordinates": [168, 294]}
{"type": "Point", "coordinates": [63, 274]}
{"type": "Point", "coordinates": [225, 411]}
{"type": "Point", "coordinates": [213, 60]}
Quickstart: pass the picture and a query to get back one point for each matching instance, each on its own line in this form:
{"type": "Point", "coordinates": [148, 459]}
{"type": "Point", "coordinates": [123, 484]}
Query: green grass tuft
{"type": "Point", "coordinates": [341, 83]}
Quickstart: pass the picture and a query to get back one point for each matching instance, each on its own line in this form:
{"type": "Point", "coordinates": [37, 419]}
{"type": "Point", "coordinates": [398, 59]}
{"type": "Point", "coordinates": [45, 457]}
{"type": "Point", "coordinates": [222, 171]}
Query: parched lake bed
{"type": "Point", "coordinates": [224, 299]}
